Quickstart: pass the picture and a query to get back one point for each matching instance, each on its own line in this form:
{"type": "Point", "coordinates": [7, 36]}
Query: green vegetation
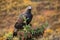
{"type": "Point", "coordinates": [42, 10]}
{"type": "Point", "coordinates": [28, 33]}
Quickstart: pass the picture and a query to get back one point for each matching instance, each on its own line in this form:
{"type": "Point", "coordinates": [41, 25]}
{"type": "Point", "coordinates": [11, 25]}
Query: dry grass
{"type": "Point", "coordinates": [42, 11]}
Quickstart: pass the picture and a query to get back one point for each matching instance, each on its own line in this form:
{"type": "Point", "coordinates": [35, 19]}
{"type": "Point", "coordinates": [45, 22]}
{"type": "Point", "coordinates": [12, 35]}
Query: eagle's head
{"type": "Point", "coordinates": [29, 7]}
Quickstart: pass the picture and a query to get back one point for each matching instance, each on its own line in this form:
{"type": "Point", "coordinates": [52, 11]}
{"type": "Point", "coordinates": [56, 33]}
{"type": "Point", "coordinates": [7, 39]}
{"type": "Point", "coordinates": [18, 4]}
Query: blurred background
{"type": "Point", "coordinates": [42, 10]}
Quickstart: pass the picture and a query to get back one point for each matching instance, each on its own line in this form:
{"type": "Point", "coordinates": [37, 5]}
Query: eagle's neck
{"type": "Point", "coordinates": [28, 11]}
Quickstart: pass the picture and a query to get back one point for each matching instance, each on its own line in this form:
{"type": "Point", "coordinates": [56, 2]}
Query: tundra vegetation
{"type": "Point", "coordinates": [45, 22]}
